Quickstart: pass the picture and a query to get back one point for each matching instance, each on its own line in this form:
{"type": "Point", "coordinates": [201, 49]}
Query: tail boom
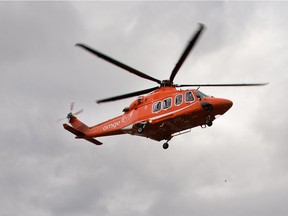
{"type": "Point", "coordinates": [79, 129]}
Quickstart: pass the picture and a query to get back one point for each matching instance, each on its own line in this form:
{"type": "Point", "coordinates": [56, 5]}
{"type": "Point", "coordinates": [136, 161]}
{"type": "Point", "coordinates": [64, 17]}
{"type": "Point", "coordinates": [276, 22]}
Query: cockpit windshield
{"type": "Point", "coordinates": [200, 94]}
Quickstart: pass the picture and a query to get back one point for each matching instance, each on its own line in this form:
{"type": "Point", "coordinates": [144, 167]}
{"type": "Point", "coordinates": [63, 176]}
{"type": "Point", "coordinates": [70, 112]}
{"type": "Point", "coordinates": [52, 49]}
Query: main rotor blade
{"type": "Point", "coordinates": [223, 85]}
{"type": "Point", "coordinates": [127, 95]}
{"type": "Point", "coordinates": [186, 52]}
{"type": "Point", "coordinates": [117, 63]}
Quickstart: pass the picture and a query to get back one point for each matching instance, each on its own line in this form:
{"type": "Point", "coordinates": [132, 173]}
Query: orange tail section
{"type": "Point", "coordinates": [78, 125]}
{"type": "Point", "coordinates": [79, 129]}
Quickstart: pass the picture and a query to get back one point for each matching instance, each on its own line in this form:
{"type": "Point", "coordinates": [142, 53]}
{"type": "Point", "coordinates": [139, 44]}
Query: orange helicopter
{"type": "Point", "coordinates": [163, 112]}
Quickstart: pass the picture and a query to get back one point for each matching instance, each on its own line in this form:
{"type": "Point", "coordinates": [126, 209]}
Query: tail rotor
{"type": "Point", "coordinates": [71, 114]}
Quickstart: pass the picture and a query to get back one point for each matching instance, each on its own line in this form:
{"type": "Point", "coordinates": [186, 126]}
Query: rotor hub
{"type": "Point", "coordinates": [165, 83]}
{"type": "Point", "coordinates": [70, 115]}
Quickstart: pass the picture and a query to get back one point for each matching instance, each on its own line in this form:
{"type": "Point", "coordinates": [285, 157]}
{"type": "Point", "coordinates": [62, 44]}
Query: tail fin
{"type": "Point", "coordinates": [79, 128]}
{"type": "Point", "coordinates": [78, 125]}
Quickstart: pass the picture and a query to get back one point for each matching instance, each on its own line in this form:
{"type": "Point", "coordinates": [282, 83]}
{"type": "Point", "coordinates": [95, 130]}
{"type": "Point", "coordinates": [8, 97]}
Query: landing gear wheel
{"type": "Point", "coordinates": [209, 123]}
{"type": "Point", "coordinates": [140, 130]}
{"type": "Point", "coordinates": [165, 145]}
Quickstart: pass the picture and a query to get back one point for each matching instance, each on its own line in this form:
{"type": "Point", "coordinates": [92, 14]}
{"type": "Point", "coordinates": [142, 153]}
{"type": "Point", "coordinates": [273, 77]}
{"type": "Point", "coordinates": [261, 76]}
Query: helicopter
{"type": "Point", "coordinates": [158, 113]}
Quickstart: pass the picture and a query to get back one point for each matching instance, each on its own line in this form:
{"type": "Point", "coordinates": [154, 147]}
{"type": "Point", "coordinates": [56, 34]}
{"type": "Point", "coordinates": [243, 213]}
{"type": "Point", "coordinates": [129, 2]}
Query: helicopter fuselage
{"type": "Point", "coordinates": [162, 114]}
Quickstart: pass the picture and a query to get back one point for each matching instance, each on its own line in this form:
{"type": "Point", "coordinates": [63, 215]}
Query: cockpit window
{"type": "Point", "coordinates": [200, 94]}
{"type": "Point", "coordinates": [157, 106]}
{"type": "Point", "coordinates": [189, 96]}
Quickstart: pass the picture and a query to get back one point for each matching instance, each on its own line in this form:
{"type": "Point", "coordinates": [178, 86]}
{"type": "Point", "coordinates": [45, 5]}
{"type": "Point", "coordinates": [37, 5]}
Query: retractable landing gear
{"type": "Point", "coordinates": [209, 121]}
{"type": "Point", "coordinates": [140, 129]}
{"type": "Point", "coordinates": [165, 145]}
{"type": "Point", "coordinates": [140, 126]}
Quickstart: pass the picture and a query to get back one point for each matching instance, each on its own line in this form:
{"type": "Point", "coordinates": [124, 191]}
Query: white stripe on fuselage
{"type": "Point", "coordinates": [160, 116]}
{"type": "Point", "coordinates": [170, 113]}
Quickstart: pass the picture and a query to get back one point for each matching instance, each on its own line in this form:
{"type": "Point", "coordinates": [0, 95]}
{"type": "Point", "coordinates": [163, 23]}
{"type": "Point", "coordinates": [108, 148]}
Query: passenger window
{"type": "Point", "coordinates": [178, 99]}
{"type": "Point", "coordinates": [157, 106]}
{"type": "Point", "coordinates": [167, 103]}
{"type": "Point", "coordinates": [189, 96]}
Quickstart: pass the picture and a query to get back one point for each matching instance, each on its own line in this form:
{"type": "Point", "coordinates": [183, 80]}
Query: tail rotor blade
{"type": "Point", "coordinates": [70, 114]}
{"type": "Point", "coordinates": [72, 106]}
{"type": "Point", "coordinates": [61, 119]}
{"type": "Point", "coordinates": [77, 113]}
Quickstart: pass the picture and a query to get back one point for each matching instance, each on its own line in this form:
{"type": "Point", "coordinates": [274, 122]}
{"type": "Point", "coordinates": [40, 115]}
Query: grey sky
{"type": "Point", "coordinates": [44, 171]}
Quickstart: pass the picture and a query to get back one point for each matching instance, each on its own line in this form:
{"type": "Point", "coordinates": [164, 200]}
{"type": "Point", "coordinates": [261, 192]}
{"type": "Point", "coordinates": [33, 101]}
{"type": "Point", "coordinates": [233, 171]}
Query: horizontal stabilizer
{"type": "Point", "coordinates": [73, 130]}
{"type": "Point", "coordinates": [94, 141]}
{"type": "Point", "coordinates": [81, 135]}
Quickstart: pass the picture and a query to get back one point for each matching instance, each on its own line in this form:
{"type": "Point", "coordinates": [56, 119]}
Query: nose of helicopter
{"type": "Point", "coordinates": [218, 105]}
{"type": "Point", "coordinates": [224, 105]}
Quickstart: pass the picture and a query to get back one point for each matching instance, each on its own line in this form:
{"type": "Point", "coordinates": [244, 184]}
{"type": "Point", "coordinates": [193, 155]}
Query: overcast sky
{"type": "Point", "coordinates": [45, 171]}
